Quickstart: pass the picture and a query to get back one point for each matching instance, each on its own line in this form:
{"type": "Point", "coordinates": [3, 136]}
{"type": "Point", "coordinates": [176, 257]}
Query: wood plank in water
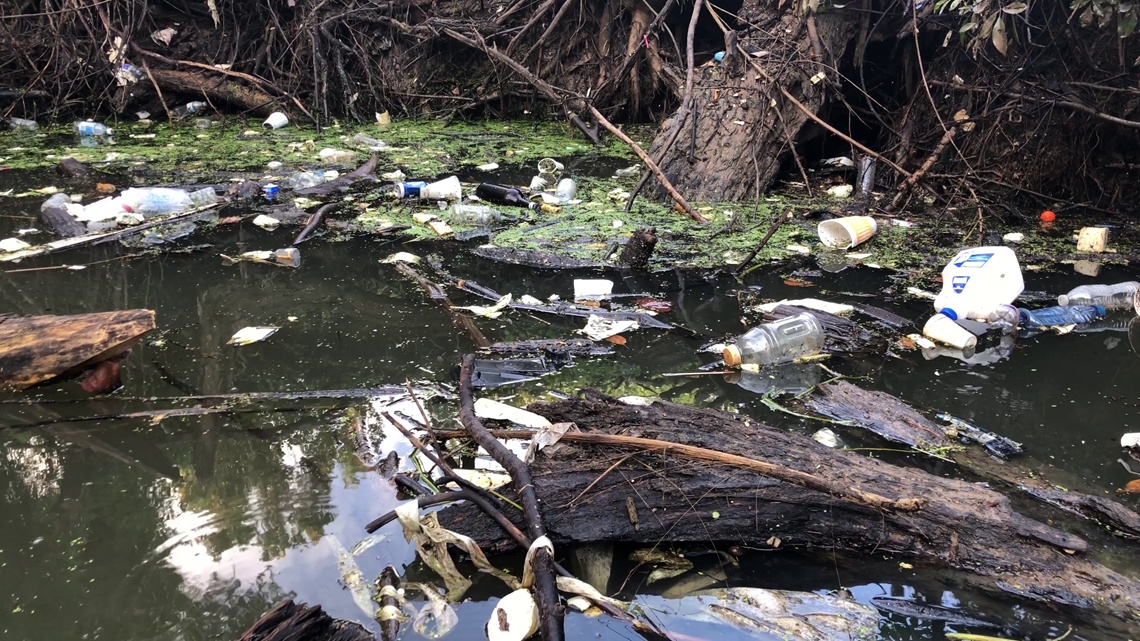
{"type": "Point", "coordinates": [34, 349]}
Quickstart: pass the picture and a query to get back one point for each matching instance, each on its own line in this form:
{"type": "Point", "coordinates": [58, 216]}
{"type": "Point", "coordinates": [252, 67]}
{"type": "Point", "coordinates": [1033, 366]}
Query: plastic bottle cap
{"type": "Point", "coordinates": [948, 313]}
{"type": "Point", "coordinates": [1048, 216]}
{"type": "Point", "coordinates": [1063, 300]}
{"type": "Point", "coordinates": [731, 355]}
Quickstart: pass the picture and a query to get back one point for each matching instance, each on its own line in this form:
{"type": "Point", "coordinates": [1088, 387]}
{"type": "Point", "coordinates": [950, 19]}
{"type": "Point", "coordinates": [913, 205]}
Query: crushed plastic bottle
{"type": "Point", "coordinates": [778, 342]}
{"type": "Point", "coordinates": [23, 124]}
{"type": "Point", "coordinates": [1032, 319]}
{"type": "Point", "coordinates": [372, 144]}
{"type": "Point", "coordinates": [157, 201]}
{"type": "Point", "coordinates": [204, 197]}
{"type": "Point", "coordinates": [91, 128]}
{"type": "Point", "coordinates": [305, 179]}
{"type": "Point", "coordinates": [1117, 296]}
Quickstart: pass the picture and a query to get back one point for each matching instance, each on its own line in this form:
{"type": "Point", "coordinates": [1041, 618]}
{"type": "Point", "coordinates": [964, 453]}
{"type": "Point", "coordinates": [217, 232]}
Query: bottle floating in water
{"type": "Point", "coordinates": [1117, 296]}
{"type": "Point", "coordinates": [369, 142]}
{"type": "Point", "coordinates": [156, 201]}
{"type": "Point", "coordinates": [778, 342]}
{"type": "Point", "coordinates": [1055, 316]}
{"type": "Point", "coordinates": [204, 197]}
{"type": "Point", "coordinates": [566, 190]}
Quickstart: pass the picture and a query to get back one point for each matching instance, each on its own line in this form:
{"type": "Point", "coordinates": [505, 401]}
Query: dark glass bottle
{"type": "Point", "coordinates": [504, 195]}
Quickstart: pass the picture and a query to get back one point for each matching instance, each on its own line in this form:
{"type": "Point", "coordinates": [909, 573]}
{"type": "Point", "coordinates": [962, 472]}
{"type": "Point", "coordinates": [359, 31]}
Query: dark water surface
{"type": "Point", "coordinates": [191, 527]}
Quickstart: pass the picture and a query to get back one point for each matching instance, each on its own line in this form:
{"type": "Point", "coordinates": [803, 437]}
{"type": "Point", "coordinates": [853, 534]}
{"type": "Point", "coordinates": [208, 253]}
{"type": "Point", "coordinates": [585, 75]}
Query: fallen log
{"type": "Point", "coordinates": [556, 346]}
{"type": "Point", "coordinates": [638, 249]}
{"type": "Point", "coordinates": [585, 492]}
{"type": "Point", "coordinates": [62, 223]}
{"type": "Point", "coordinates": [34, 349]}
{"type": "Point", "coordinates": [289, 621]}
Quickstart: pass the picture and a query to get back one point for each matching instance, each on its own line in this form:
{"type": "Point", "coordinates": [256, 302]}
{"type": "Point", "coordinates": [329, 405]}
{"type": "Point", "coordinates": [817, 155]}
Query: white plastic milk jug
{"type": "Point", "coordinates": [977, 281]}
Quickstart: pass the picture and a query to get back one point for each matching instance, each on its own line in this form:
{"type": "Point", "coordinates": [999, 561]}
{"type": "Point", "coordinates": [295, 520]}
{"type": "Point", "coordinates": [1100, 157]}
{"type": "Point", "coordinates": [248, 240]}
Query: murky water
{"type": "Point", "coordinates": [191, 527]}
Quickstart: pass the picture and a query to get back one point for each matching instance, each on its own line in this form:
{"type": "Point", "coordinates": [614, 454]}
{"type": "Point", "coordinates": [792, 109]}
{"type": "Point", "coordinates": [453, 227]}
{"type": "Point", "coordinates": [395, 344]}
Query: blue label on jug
{"type": "Point", "coordinates": [959, 283]}
{"type": "Point", "coordinates": [974, 261]}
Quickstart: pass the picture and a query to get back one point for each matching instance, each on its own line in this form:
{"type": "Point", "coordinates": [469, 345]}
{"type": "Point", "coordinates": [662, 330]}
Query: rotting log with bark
{"type": "Point", "coordinates": [893, 420]}
{"type": "Point", "coordinates": [585, 492]}
{"type": "Point", "coordinates": [289, 621]}
{"type": "Point", "coordinates": [34, 349]}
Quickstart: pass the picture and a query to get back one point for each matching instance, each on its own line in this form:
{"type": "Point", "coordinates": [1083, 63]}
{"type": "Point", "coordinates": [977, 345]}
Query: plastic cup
{"type": "Point", "coordinates": [944, 330]}
{"type": "Point", "coordinates": [290, 257]}
{"type": "Point", "coordinates": [549, 166]}
{"type": "Point", "coordinates": [446, 189]}
{"type": "Point", "coordinates": [276, 120]}
{"type": "Point", "coordinates": [845, 233]}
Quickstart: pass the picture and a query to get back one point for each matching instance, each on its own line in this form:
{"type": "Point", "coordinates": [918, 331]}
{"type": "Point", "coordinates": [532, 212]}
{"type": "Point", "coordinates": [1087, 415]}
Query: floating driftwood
{"type": "Point", "coordinates": [558, 347]}
{"type": "Point", "coordinates": [34, 349]}
{"type": "Point", "coordinates": [585, 491]}
{"type": "Point", "coordinates": [533, 258]}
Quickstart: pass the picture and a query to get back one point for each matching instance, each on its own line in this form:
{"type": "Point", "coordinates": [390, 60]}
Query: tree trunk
{"type": "Point", "coordinates": [740, 135]}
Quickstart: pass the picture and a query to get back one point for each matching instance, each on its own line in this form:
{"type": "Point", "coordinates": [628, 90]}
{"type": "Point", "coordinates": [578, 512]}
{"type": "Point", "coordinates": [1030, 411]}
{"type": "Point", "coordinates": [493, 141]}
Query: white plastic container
{"type": "Point", "coordinates": [978, 280]}
{"type": "Point", "coordinates": [446, 189]}
{"type": "Point", "coordinates": [101, 210]}
{"type": "Point", "coordinates": [845, 233]}
{"type": "Point", "coordinates": [944, 330]}
{"type": "Point", "coordinates": [276, 120]}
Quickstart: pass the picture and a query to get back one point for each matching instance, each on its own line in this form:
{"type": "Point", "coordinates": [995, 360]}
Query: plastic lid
{"type": "Point", "coordinates": [731, 355]}
{"type": "Point", "coordinates": [948, 313]}
{"type": "Point", "coordinates": [1063, 300]}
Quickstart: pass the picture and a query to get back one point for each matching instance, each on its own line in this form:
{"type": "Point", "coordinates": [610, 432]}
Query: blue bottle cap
{"type": "Point", "coordinates": [948, 313]}
{"type": "Point", "coordinates": [718, 56]}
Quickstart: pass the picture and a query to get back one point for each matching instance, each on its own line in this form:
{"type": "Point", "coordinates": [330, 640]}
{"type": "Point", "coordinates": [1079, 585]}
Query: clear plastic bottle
{"type": "Point", "coordinates": [23, 124]}
{"type": "Point", "coordinates": [1004, 318]}
{"type": "Point", "coordinates": [305, 179]}
{"type": "Point", "coordinates": [157, 201]}
{"type": "Point", "coordinates": [1117, 296]}
{"type": "Point", "coordinates": [90, 128]}
{"type": "Point", "coordinates": [204, 197]}
{"type": "Point", "coordinates": [371, 143]}
{"type": "Point", "coordinates": [188, 109]}
{"type": "Point", "coordinates": [1053, 316]}
{"type": "Point", "coordinates": [778, 342]}
{"type": "Point", "coordinates": [474, 214]}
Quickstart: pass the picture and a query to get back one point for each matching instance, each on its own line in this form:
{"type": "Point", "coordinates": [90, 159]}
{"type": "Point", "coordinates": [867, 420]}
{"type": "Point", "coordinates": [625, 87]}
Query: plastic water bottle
{"type": "Point", "coordinates": [1054, 316]}
{"type": "Point", "coordinates": [23, 124]}
{"type": "Point", "coordinates": [474, 214]}
{"type": "Point", "coordinates": [305, 179]}
{"type": "Point", "coordinates": [204, 197]}
{"type": "Point", "coordinates": [90, 128]}
{"type": "Point", "coordinates": [778, 342]}
{"type": "Point", "coordinates": [188, 109]}
{"type": "Point", "coordinates": [1117, 296]}
{"type": "Point", "coordinates": [977, 280]}
{"type": "Point", "coordinates": [371, 143]}
{"type": "Point", "coordinates": [156, 201]}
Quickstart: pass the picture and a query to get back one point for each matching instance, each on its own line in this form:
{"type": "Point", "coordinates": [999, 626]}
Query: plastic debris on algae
{"type": "Point", "coordinates": [352, 576]}
{"type": "Point", "coordinates": [247, 335]}
{"type": "Point", "coordinates": [402, 257]}
{"type": "Point", "coordinates": [598, 328]}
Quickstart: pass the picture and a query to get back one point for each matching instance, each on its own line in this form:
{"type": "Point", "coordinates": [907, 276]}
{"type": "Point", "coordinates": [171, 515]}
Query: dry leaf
{"type": "Point", "coordinates": [616, 339]}
{"type": "Point", "coordinates": [906, 343]}
{"type": "Point", "coordinates": [1001, 43]}
{"type": "Point", "coordinates": [1133, 487]}
{"type": "Point", "coordinates": [797, 283]}
{"type": "Point", "coordinates": [961, 115]}
{"type": "Point", "coordinates": [774, 541]}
